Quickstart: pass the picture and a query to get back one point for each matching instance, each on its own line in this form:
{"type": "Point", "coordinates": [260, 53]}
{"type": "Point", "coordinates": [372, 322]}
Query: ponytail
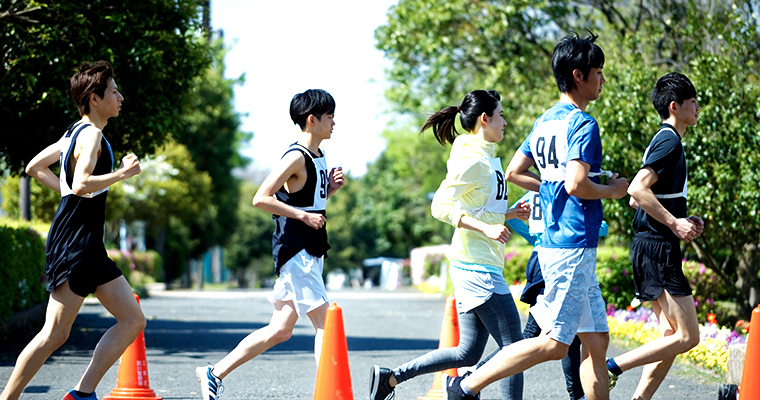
{"type": "Point", "coordinates": [473, 106]}
{"type": "Point", "coordinates": [442, 123]}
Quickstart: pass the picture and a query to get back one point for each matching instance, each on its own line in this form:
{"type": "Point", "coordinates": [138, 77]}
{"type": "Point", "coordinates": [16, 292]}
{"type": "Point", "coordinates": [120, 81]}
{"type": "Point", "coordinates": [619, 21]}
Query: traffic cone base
{"type": "Point", "coordinates": [132, 393]}
{"type": "Point", "coordinates": [433, 394]}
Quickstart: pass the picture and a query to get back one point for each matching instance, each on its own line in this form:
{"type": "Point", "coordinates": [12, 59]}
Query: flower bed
{"type": "Point", "coordinates": [635, 327]}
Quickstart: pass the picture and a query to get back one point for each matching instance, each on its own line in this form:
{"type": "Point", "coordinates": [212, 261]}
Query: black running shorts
{"type": "Point", "coordinates": [87, 276]}
{"type": "Point", "coordinates": [657, 267]}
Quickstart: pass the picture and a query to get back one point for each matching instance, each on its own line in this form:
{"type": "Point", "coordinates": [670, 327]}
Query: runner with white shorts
{"type": "Point", "coordinates": [296, 193]}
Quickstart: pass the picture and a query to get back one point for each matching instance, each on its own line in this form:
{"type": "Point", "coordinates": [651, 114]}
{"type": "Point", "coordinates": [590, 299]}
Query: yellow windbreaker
{"type": "Point", "coordinates": [465, 190]}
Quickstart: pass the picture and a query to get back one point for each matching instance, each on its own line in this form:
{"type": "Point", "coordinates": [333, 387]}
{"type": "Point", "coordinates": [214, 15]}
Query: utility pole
{"type": "Point", "coordinates": [24, 201]}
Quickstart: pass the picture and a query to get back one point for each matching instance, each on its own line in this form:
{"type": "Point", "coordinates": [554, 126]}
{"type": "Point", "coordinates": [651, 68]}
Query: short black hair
{"type": "Point", "coordinates": [671, 87]}
{"type": "Point", "coordinates": [574, 52]}
{"type": "Point", "coordinates": [315, 102]}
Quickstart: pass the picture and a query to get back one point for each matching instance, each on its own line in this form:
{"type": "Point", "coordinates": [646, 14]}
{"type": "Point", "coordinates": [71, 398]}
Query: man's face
{"type": "Point", "coordinates": [324, 125]}
{"type": "Point", "coordinates": [591, 87]}
{"type": "Point", "coordinates": [688, 111]}
{"type": "Point", "coordinates": [110, 103]}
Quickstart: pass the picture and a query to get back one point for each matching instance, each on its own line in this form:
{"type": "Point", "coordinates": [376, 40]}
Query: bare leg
{"type": "Point", "coordinates": [61, 312]}
{"type": "Point", "coordinates": [279, 330]}
{"type": "Point", "coordinates": [677, 314]}
{"type": "Point", "coordinates": [516, 358]}
{"type": "Point", "coordinates": [317, 317]}
{"type": "Point", "coordinates": [594, 365]}
{"type": "Point", "coordinates": [651, 377]}
{"type": "Point", "coordinates": [654, 373]}
{"type": "Point", "coordinates": [117, 297]}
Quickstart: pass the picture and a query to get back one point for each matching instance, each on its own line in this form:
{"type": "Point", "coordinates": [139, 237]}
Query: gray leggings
{"type": "Point", "coordinates": [497, 316]}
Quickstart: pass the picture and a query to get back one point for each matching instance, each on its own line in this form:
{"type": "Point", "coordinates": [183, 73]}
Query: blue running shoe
{"type": "Point", "coordinates": [72, 395]}
{"type": "Point", "coordinates": [211, 386]}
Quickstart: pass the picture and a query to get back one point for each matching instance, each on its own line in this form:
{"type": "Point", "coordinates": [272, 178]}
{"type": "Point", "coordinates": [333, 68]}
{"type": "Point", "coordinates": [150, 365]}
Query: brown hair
{"type": "Point", "coordinates": [90, 78]}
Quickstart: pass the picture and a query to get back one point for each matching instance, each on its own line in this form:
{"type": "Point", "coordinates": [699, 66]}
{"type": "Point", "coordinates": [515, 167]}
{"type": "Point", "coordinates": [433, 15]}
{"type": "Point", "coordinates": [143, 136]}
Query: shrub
{"type": "Point", "coordinates": [515, 261]}
{"type": "Point", "coordinates": [140, 268]}
{"type": "Point", "coordinates": [615, 275]}
{"type": "Point", "coordinates": [708, 293]}
{"type": "Point", "coordinates": [433, 264]}
{"type": "Point", "coordinates": [22, 266]}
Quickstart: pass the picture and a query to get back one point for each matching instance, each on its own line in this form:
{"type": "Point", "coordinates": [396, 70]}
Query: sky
{"type": "Point", "coordinates": [285, 47]}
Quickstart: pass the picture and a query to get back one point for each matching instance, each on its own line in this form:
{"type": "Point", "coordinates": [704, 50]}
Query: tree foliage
{"type": "Point", "coordinates": [154, 46]}
{"type": "Point", "coordinates": [171, 196]}
{"type": "Point", "coordinates": [394, 202]}
{"type": "Point", "coordinates": [171, 76]}
{"type": "Point", "coordinates": [249, 251]}
{"type": "Point", "coordinates": [441, 51]}
{"type": "Point", "coordinates": [44, 204]}
{"type": "Point", "coordinates": [210, 130]}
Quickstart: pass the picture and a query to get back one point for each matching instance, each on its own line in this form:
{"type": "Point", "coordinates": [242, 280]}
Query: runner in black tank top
{"type": "Point", "coordinates": [76, 260]}
{"type": "Point", "coordinates": [295, 193]}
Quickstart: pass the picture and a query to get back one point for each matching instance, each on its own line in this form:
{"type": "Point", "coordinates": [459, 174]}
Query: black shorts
{"type": "Point", "coordinates": [657, 267]}
{"type": "Point", "coordinates": [85, 278]}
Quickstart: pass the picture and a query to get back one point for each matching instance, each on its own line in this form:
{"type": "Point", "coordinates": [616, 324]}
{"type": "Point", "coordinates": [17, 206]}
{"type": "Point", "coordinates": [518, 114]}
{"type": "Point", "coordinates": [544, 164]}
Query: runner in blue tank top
{"type": "Point", "coordinates": [76, 262]}
{"type": "Point", "coordinates": [565, 147]}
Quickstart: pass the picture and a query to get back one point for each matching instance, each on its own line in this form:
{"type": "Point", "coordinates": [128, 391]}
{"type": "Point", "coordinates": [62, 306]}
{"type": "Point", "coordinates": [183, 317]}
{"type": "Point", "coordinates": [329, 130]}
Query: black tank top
{"type": "Point", "coordinates": [291, 235]}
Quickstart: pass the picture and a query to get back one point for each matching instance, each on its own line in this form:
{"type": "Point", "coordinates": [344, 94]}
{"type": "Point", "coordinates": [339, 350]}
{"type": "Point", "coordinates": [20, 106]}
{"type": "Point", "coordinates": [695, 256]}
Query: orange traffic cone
{"type": "Point", "coordinates": [132, 380]}
{"type": "Point", "coordinates": [750, 385]}
{"type": "Point", "coordinates": [333, 374]}
{"type": "Point", "coordinates": [449, 338]}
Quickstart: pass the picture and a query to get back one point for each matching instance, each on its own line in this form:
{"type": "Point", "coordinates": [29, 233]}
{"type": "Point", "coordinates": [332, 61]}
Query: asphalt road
{"type": "Point", "coordinates": [187, 329]}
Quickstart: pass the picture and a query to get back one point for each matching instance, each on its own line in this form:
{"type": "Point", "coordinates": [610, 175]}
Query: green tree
{"type": "Point", "coordinates": [440, 51]}
{"type": "Point", "coordinates": [248, 252]}
{"type": "Point", "coordinates": [394, 200]}
{"type": "Point", "coordinates": [351, 238]}
{"type": "Point", "coordinates": [706, 42]}
{"type": "Point", "coordinates": [154, 45]}
{"type": "Point", "coordinates": [211, 132]}
{"type": "Point", "coordinates": [171, 196]}
{"type": "Point", "coordinates": [43, 205]}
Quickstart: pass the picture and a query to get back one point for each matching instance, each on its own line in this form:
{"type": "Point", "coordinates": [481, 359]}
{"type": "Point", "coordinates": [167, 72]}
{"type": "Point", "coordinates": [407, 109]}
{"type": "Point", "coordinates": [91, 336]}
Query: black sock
{"type": "Point", "coordinates": [83, 394]}
{"type": "Point", "coordinates": [613, 367]}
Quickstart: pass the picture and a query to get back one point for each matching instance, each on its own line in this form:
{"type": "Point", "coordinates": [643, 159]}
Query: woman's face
{"type": "Point", "coordinates": [494, 129]}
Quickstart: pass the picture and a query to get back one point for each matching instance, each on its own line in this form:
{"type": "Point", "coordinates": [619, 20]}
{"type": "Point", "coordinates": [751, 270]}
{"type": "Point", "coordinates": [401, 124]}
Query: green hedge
{"type": "Point", "coordinates": [613, 270]}
{"type": "Point", "coordinates": [22, 269]}
{"type": "Point", "coordinates": [615, 275]}
{"type": "Point", "coordinates": [140, 268]}
{"type": "Point", "coordinates": [515, 260]}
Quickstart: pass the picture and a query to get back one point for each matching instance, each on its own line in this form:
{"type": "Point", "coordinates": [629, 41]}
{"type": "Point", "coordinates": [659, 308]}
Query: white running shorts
{"type": "Point", "coordinates": [572, 301]}
{"type": "Point", "coordinates": [301, 282]}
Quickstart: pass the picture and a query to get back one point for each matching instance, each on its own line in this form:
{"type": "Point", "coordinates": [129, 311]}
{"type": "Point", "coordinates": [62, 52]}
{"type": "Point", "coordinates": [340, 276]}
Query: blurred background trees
{"type": "Point", "coordinates": [178, 117]}
{"type": "Point", "coordinates": [440, 51]}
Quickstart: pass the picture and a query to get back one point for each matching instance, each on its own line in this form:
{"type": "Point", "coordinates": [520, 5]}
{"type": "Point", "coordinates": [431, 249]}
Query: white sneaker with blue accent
{"type": "Point", "coordinates": [211, 386]}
